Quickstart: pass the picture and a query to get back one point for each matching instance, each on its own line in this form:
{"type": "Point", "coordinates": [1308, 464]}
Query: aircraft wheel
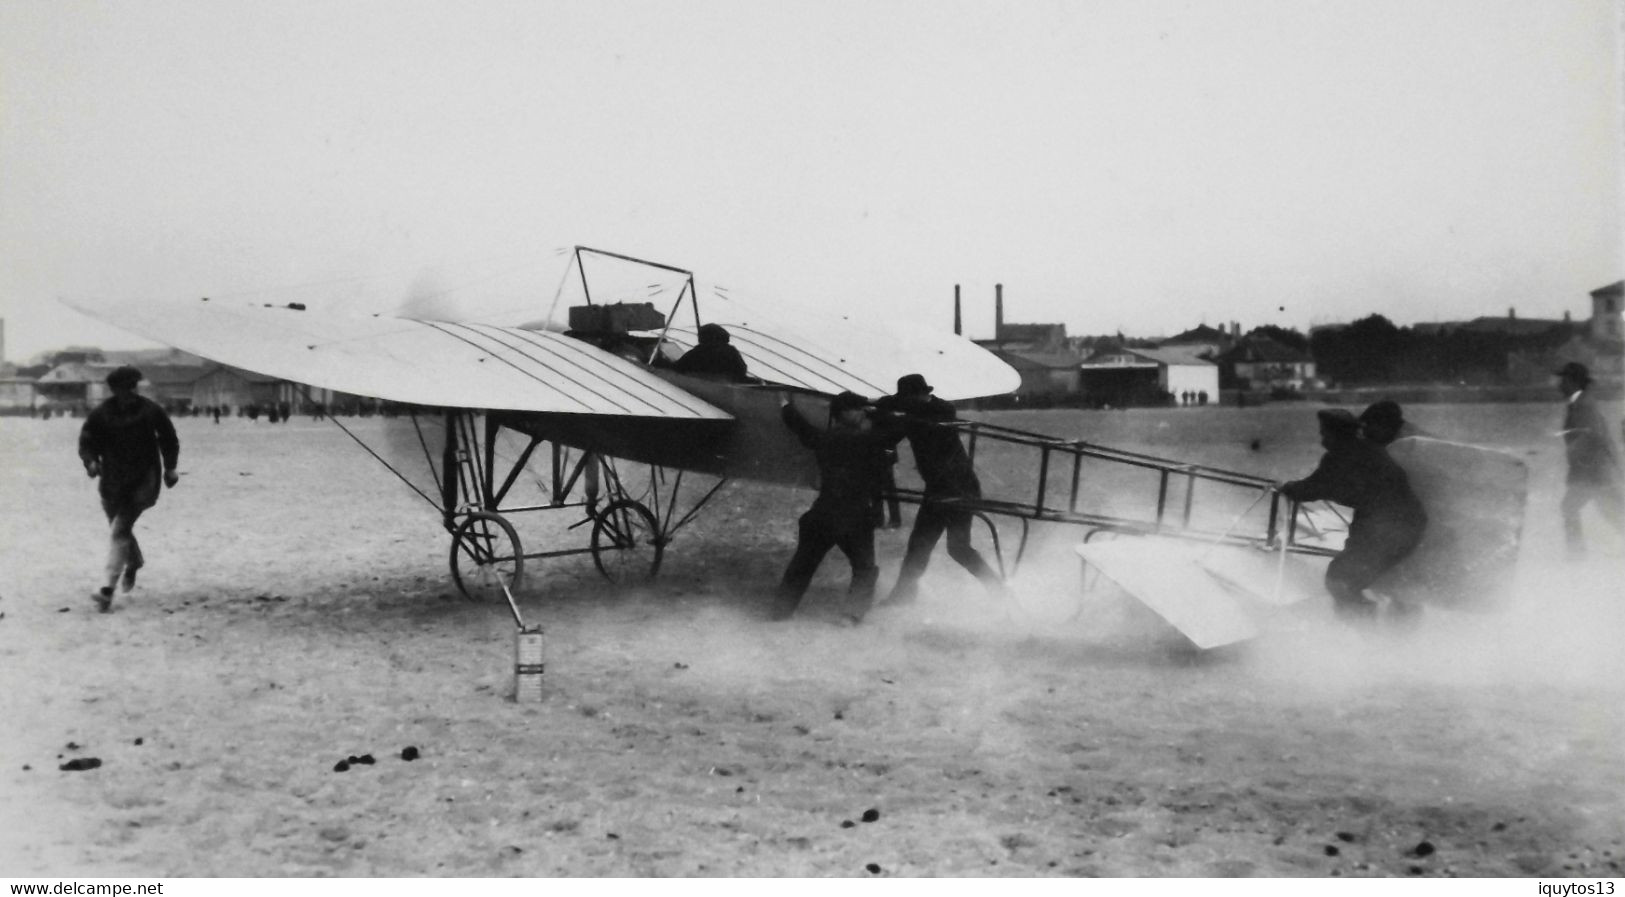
{"type": "Point", "coordinates": [626, 543]}
{"type": "Point", "coordinates": [485, 556]}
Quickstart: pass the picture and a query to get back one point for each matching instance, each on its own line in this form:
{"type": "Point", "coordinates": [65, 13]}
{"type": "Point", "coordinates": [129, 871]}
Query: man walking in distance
{"type": "Point", "coordinates": [1593, 466]}
{"type": "Point", "coordinates": [948, 475]}
{"type": "Point", "coordinates": [851, 458]}
{"type": "Point", "coordinates": [128, 443]}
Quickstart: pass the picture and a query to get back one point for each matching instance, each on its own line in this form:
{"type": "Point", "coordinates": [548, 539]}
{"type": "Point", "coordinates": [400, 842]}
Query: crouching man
{"type": "Point", "coordinates": [1388, 518]}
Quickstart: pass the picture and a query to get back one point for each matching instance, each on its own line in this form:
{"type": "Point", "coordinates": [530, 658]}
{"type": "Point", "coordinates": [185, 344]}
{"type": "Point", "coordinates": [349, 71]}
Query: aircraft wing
{"type": "Point", "coordinates": [833, 354]}
{"type": "Point", "coordinates": [454, 365]}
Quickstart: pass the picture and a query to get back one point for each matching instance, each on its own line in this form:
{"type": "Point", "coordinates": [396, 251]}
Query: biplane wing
{"type": "Point", "coordinates": [453, 365]}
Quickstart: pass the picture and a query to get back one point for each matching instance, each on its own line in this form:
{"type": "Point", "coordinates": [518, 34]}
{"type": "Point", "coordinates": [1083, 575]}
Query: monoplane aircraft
{"type": "Point", "coordinates": [1205, 548]}
{"type": "Point", "coordinates": [599, 392]}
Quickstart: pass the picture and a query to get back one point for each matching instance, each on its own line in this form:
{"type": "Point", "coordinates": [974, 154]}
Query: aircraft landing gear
{"type": "Point", "coordinates": [627, 545]}
{"type": "Point", "coordinates": [630, 518]}
{"type": "Point", "coordinates": [485, 557]}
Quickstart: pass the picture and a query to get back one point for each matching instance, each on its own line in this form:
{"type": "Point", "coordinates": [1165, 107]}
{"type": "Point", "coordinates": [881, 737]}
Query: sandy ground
{"type": "Point", "coordinates": [296, 611]}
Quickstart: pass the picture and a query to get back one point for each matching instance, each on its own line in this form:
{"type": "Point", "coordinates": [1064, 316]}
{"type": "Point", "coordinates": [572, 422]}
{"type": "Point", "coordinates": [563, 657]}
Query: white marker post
{"type": "Point", "coordinates": [527, 656]}
{"type": "Point", "coordinates": [528, 666]}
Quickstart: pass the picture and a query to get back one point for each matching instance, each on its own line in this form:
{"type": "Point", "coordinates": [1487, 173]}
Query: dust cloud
{"type": "Point", "coordinates": [1053, 730]}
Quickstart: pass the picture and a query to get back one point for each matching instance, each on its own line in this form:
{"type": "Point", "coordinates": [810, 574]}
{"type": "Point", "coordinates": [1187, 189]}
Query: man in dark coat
{"type": "Point", "coordinates": [1388, 518]}
{"type": "Point", "coordinates": [851, 456]}
{"type": "Point", "coordinates": [715, 356]}
{"type": "Point", "coordinates": [1593, 467]}
{"type": "Point", "coordinates": [948, 475]}
{"type": "Point", "coordinates": [128, 443]}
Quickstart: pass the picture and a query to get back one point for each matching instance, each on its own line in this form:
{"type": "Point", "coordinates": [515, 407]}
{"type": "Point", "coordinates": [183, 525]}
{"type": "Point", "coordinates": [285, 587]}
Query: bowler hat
{"type": "Point", "coordinates": [846, 401]}
{"type": "Point", "coordinates": [909, 384]}
{"type": "Point", "coordinates": [125, 377]}
{"type": "Point", "coordinates": [1338, 420]}
{"type": "Point", "coordinates": [1575, 371]}
{"type": "Point", "coordinates": [1386, 411]}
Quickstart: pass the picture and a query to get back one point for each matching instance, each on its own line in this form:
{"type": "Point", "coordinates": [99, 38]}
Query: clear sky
{"type": "Point", "coordinates": [1134, 165]}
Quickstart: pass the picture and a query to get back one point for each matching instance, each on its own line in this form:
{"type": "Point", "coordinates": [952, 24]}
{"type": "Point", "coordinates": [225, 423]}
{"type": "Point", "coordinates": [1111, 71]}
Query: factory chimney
{"type": "Point", "coordinates": [998, 311]}
{"type": "Point", "coordinates": [958, 322]}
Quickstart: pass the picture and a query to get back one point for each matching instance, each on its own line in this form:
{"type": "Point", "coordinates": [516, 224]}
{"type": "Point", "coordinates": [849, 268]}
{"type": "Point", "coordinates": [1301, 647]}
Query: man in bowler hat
{"type": "Point", "coordinates": [948, 475]}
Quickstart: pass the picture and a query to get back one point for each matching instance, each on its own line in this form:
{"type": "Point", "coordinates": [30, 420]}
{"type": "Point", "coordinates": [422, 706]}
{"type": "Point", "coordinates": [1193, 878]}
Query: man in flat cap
{"type": "Point", "coordinates": [1593, 466]}
{"type": "Point", "coordinates": [1388, 518]}
{"type": "Point", "coordinates": [714, 356]}
{"type": "Point", "coordinates": [129, 444]}
{"type": "Point", "coordinates": [852, 460]}
{"type": "Point", "coordinates": [948, 474]}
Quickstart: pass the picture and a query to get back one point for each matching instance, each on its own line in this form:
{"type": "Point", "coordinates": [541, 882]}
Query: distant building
{"type": "Point", "coordinates": [1599, 345]}
{"type": "Point", "coordinates": [83, 385]}
{"type": "Point", "coordinates": [1259, 362]}
{"type": "Point", "coordinates": [1040, 353]}
{"type": "Point", "coordinates": [222, 385]}
{"type": "Point", "coordinates": [170, 385]}
{"type": "Point", "coordinates": [1050, 374]}
{"type": "Point", "coordinates": [76, 380]}
{"type": "Point", "coordinates": [73, 385]}
{"type": "Point", "coordinates": [1041, 338]}
{"type": "Point", "coordinates": [1606, 313]}
{"type": "Point", "coordinates": [75, 354]}
{"type": "Point", "coordinates": [1508, 325]}
{"type": "Point", "coordinates": [17, 394]}
{"type": "Point", "coordinates": [1032, 337]}
{"type": "Point", "coordinates": [142, 358]}
{"type": "Point", "coordinates": [1133, 376]}
{"type": "Point", "coordinates": [1209, 341]}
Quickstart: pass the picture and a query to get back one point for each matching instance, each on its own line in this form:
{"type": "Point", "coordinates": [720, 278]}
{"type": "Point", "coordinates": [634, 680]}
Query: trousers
{"type": "Point", "coordinates": [933, 520]}
{"type": "Point", "coordinates": [1610, 502]}
{"type": "Point", "coordinates": [124, 503]}
{"type": "Point", "coordinates": [819, 531]}
{"type": "Point", "coordinates": [1362, 562]}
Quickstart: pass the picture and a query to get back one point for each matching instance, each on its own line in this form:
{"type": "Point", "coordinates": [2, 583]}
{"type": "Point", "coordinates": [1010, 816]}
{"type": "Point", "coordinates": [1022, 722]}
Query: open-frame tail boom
{"type": "Point", "coordinates": [1172, 513]}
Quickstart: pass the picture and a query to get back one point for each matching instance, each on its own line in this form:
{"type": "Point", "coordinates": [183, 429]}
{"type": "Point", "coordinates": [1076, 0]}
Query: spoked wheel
{"type": "Point", "coordinates": [626, 543]}
{"type": "Point", "coordinates": [485, 556]}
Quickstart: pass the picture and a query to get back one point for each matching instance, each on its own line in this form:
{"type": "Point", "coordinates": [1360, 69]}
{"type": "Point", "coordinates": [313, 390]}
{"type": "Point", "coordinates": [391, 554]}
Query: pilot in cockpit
{"type": "Point", "coordinates": [715, 356]}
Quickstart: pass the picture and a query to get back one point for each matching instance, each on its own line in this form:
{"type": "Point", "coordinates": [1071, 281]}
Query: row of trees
{"type": "Point", "coordinates": [1374, 350]}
